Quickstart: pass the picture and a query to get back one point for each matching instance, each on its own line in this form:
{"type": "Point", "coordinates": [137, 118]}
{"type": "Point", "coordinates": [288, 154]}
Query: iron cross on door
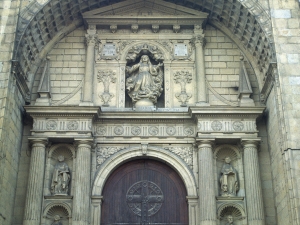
{"type": "Point", "coordinates": [145, 199]}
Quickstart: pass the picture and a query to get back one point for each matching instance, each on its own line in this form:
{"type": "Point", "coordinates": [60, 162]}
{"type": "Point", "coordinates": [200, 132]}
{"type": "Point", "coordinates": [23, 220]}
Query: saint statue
{"type": "Point", "coordinates": [144, 85]}
{"type": "Point", "coordinates": [61, 177]}
{"type": "Point", "coordinates": [229, 220]}
{"type": "Point", "coordinates": [56, 220]}
{"type": "Point", "coordinates": [229, 179]}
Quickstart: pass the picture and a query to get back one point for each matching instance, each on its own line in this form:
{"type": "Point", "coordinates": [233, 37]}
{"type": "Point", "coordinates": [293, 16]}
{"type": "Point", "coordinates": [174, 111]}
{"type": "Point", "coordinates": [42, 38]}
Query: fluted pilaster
{"type": "Point", "coordinates": [207, 201]}
{"type": "Point", "coordinates": [199, 42]}
{"type": "Point", "coordinates": [255, 207]}
{"type": "Point", "coordinates": [91, 41]}
{"type": "Point", "coordinates": [81, 202]}
{"type": "Point", "coordinates": [34, 197]}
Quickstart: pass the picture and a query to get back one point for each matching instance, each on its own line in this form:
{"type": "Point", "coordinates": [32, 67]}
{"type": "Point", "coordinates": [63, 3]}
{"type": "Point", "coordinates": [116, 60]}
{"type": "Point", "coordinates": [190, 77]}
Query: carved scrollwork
{"type": "Point", "coordinates": [104, 153]}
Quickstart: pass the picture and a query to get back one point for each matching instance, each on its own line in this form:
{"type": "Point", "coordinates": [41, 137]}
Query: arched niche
{"type": "Point", "coordinates": [57, 210]}
{"type": "Point", "coordinates": [232, 151]}
{"type": "Point", "coordinates": [56, 150]}
{"type": "Point", "coordinates": [234, 210]}
{"type": "Point", "coordinates": [157, 54]}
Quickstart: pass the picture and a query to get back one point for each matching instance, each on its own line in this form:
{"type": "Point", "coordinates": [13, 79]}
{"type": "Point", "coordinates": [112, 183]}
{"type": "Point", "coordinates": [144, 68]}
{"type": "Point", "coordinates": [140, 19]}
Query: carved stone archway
{"type": "Point", "coordinates": [152, 152]}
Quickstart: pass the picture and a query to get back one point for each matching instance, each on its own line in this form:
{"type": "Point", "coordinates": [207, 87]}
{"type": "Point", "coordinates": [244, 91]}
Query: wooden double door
{"type": "Point", "coordinates": [144, 192]}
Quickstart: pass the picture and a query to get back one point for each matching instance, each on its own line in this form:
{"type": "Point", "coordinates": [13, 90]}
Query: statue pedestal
{"type": "Point", "coordinates": [144, 102]}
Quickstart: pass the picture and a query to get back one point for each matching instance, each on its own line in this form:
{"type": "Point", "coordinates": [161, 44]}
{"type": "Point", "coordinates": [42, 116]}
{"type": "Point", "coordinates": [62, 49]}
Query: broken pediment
{"type": "Point", "coordinates": [142, 12]}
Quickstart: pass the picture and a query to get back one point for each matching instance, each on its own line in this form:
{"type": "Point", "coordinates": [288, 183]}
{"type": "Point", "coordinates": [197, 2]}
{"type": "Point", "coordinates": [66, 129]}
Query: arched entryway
{"type": "Point", "coordinates": [144, 191]}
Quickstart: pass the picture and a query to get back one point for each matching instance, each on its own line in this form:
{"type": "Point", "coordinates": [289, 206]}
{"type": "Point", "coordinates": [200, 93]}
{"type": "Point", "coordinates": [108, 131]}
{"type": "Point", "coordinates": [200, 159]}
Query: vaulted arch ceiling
{"type": "Point", "coordinates": [244, 20]}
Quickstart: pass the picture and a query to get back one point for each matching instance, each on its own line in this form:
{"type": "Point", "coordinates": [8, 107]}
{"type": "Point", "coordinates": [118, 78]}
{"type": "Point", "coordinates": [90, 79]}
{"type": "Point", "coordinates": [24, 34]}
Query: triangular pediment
{"type": "Point", "coordinates": [143, 9]}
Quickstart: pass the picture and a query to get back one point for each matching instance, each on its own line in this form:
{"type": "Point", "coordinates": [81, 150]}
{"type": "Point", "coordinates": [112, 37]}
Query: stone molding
{"type": "Point", "coordinates": [136, 152]}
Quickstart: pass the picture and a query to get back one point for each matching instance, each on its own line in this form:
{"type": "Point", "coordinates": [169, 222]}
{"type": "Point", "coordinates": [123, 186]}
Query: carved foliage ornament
{"type": "Point", "coordinates": [107, 77]}
{"type": "Point", "coordinates": [183, 78]}
{"type": "Point", "coordinates": [186, 153]}
{"type": "Point", "coordinates": [104, 153]}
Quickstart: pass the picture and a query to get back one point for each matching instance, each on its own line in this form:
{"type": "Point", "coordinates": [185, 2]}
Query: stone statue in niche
{"type": "Point", "coordinates": [61, 177]}
{"type": "Point", "coordinates": [229, 220]}
{"type": "Point", "coordinates": [57, 220]}
{"type": "Point", "coordinates": [144, 84]}
{"type": "Point", "coordinates": [229, 179]}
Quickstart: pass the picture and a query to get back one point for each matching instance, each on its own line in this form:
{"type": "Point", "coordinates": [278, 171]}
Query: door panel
{"type": "Point", "coordinates": [144, 192]}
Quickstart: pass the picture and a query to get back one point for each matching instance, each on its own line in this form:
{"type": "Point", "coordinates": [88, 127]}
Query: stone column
{"type": "Point", "coordinates": [34, 197]}
{"type": "Point", "coordinates": [207, 198]}
{"type": "Point", "coordinates": [91, 41]}
{"type": "Point", "coordinates": [254, 199]}
{"type": "Point", "coordinates": [199, 42]}
{"type": "Point", "coordinates": [82, 183]}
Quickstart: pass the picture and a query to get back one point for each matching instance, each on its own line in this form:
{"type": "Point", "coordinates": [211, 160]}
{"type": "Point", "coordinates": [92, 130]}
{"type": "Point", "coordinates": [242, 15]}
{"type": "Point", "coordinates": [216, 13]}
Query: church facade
{"type": "Point", "coordinates": [121, 112]}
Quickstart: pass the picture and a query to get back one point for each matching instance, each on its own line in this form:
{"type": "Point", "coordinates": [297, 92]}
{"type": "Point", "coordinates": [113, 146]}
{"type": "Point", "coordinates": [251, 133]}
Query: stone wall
{"type": "Point", "coordinates": [11, 113]}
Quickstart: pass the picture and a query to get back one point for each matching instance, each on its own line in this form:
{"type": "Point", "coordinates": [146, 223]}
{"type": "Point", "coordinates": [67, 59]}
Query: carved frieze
{"type": "Point", "coordinates": [57, 125]}
{"type": "Point", "coordinates": [227, 126]}
{"type": "Point", "coordinates": [186, 153]}
{"type": "Point", "coordinates": [143, 130]}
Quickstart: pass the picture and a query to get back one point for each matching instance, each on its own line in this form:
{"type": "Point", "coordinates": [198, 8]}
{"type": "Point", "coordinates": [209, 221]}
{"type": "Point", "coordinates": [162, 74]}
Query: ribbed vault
{"type": "Point", "coordinates": [39, 25]}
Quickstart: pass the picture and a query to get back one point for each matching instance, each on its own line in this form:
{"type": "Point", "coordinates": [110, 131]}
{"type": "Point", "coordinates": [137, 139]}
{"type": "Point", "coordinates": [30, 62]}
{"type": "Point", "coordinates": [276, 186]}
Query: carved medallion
{"type": "Point", "coordinates": [101, 130]}
{"type": "Point", "coordinates": [144, 198]}
{"type": "Point", "coordinates": [72, 125]}
{"type": "Point", "coordinates": [153, 131]}
{"type": "Point", "coordinates": [238, 126]}
{"type": "Point", "coordinates": [51, 125]}
{"type": "Point", "coordinates": [188, 131]}
{"type": "Point", "coordinates": [171, 130]}
{"type": "Point", "coordinates": [216, 125]}
{"type": "Point", "coordinates": [119, 130]}
{"type": "Point", "coordinates": [136, 130]}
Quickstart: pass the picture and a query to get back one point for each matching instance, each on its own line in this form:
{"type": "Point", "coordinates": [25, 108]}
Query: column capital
{"type": "Point", "coordinates": [91, 39]}
{"type": "Point", "coordinates": [250, 142]}
{"type": "Point", "coordinates": [205, 143]}
{"type": "Point", "coordinates": [42, 142]}
{"type": "Point", "coordinates": [88, 142]}
{"type": "Point", "coordinates": [198, 40]}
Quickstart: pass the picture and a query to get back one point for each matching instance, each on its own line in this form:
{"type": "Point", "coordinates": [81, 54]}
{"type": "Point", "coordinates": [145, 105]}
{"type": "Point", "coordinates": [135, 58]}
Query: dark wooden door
{"type": "Point", "coordinates": [144, 192]}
